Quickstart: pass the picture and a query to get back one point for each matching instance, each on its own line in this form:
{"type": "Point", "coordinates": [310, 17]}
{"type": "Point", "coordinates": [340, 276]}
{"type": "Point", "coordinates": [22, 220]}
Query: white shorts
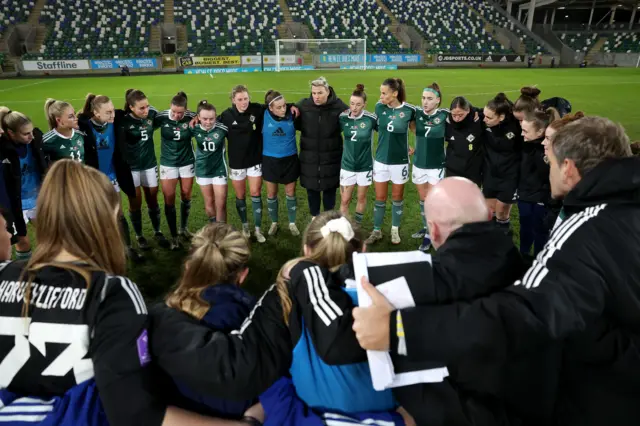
{"type": "Point", "coordinates": [348, 178]}
{"type": "Point", "coordinates": [432, 176]}
{"type": "Point", "coordinates": [147, 178]}
{"type": "Point", "coordinates": [29, 215]}
{"type": "Point", "coordinates": [220, 180]}
{"type": "Point", "coordinates": [241, 174]}
{"type": "Point", "coordinates": [177, 172]}
{"type": "Point", "coordinates": [396, 173]}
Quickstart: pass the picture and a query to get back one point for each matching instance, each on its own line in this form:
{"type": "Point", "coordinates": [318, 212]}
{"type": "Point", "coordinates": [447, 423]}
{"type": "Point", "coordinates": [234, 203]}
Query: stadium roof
{"type": "Point", "coordinates": [581, 4]}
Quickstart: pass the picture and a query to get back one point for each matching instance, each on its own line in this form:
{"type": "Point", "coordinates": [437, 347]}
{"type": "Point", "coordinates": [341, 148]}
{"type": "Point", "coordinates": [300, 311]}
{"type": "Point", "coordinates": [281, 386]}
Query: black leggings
{"type": "Point", "coordinates": [328, 200]}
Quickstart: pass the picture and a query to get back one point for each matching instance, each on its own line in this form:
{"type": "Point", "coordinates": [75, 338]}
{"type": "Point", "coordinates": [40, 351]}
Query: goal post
{"type": "Point", "coordinates": [322, 53]}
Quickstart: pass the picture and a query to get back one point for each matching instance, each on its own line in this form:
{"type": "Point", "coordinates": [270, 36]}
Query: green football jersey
{"type": "Point", "coordinates": [56, 147]}
{"type": "Point", "coordinates": [176, 149]}
{"type": "Point", "coordinates": [430, 139]}
{"type": "Point", "coordinates": [141, 153]}
{"type": "Point", "coordinates": [358, 141]}
{"type": "Point", "coordinates": [393, 133]}
{"type": "Point", "coordinates": [210, 151]}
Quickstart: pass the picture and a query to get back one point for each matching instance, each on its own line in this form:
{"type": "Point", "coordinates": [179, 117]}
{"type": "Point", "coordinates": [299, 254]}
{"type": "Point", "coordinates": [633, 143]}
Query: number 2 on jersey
{"type": "Point", "coordinates": [39, 334]}
{"type": "Point", "coordinates": [353, 136]}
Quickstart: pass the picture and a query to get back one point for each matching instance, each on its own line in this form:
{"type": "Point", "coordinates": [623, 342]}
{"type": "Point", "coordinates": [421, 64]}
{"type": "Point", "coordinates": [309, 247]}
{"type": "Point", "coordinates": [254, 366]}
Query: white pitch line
{"type": "Point", "coordinates": [341, 90]}
{"type": "Point", "coordinates": [25, 85]}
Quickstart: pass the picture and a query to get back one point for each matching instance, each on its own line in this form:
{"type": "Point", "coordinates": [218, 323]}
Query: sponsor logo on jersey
{"type": "Point", "coordinates": [62, 147]}
{"type": "Point", "coordinates": [252, 118]}
{"type": "Point", "coordinates": [166, 125]}
{"type": "Point", "coordinates": [510, 135]}
{"type": "Point", "coordinates": [471, 138]}
{"type": "Point", "coordinates": [453, 138]}
{"type": "Point", "coordinates": [132, 126]}
{"type": "Point", "coordinates": [279, 132]}
{"type": "Point", "coordinates": [420, 119]}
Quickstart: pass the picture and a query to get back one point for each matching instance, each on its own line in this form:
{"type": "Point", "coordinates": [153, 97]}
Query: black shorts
{"type": "Point", "coordinates": [281, 170]}
{"type": "Point", "coordinates": [509, 196]}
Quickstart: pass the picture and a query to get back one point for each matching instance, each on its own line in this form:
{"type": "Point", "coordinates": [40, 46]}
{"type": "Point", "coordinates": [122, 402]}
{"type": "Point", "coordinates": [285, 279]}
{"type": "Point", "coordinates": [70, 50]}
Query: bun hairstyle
{"type": "Point", "coordinates": [434, 87]}
{"type": "Point", "coordinates": [501, 105]}
{"type": "Point", "coordinates": [132, 97]}
{"type": "Point", "coordinates": [635, 148]}
{"type": "Point", "coordinates": [569, 118]}
{"type": "Point", "coordinates": [12, 120]}
{"type": "Point", "coordinates": [528, 101]}
{"type": "Point", "coordinates": [542, 119]}
{"type": "Point", "coordinates": [460, 102]}
{"type": "Point", "coordinates": [359, 92]}
{"type": "Point", "coordinates": [219, 253]}
{"type": "Point", "coordinates": [396, 85]}
{"type": "Point", "coordinates": [94, 102]}
{"type": "Point", "coordinates": [204, 105]}
{"type": "Point", "coordinates": [54, 109]}
{"type": "Point", "coordinates": [271, 96]}
{"type": "Point", "coordinates": [180, 100]}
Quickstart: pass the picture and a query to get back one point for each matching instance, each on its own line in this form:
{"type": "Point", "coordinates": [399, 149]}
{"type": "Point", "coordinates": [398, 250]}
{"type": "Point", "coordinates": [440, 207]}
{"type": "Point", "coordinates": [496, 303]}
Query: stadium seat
{"type": "Point", "coordinates": [580, 42]}
{"type": "Point", "coordinates": [347, 19]}
{"type": "Point", "coordinates": [99, 29]}
{"type": "Point", "coordinates": [449, 26]}
{"type": "Point", "coordinates": [232, 27]}
{"type": "Point", "coordinates": [532, 47]}
{"type": "Point", "coordinates": [622, 43]}
{"type": "Point", "coordinates": [13, 12]}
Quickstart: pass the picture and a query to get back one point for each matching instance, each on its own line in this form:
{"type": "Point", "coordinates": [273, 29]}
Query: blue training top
{"type": "Point", "coordinates": [346, 388]}
{"type": "Point", "coordinates": [105, 144]}
{"type": "Point", "coordinates": [279, 136]}
{"type": "Point", "coordinates": [30, 177]}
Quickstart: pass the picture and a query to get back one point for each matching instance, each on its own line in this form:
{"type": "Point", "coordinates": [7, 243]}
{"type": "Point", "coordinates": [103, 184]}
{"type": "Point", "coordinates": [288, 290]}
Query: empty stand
{"type": "Point", "coordinates": [580, 42]}
{"type": "Point", "coordinates": [229, 27]}
{"type": "Point", "coordinates": [14, 12]}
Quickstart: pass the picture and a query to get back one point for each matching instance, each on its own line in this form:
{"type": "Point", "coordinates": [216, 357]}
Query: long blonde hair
{"type": "Point", "coordinates": [77, 208]}
{"type": "Point", "coordinates": [328, 252]}
{"type": "Point", "coordinates": [54, 109]}
{"type": "Point", "coordinates": [219, 253]}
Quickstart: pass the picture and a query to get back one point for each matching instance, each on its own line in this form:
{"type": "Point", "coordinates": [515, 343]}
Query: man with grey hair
{"type": "Point", "coordinates": [583, 290]}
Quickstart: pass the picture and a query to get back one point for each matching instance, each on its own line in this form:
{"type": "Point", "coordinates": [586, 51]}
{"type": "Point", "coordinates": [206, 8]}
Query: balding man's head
{"type": "Point", "coordinates": [451, 203]}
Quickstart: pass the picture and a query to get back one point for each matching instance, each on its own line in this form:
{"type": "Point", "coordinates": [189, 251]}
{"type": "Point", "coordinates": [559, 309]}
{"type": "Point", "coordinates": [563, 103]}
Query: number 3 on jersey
{"type": "Point", "coordinates": [39, 335]}
{"type": "Point", "coordinates": [176, 135]}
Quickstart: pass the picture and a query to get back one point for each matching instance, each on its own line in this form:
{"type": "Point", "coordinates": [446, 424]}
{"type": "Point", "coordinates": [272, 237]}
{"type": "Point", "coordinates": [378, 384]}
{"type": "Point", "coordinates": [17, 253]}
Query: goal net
{"type": "Point", "coordinates": [322, 53]}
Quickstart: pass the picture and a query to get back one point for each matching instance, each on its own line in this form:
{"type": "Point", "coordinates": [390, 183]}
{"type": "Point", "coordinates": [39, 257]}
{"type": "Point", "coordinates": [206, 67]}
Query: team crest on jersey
{"type": "Point", "coordinates": [185, 125]}
{"type": "Point", "coordinates": [149, 122]}
{"type": "Point", "coordinates": [510, 135]}
{"type": "Point", "coordinates": [216, 136]}
{"type": "Point", "coordinates": [471, 138]}
{"type": "Point", "coordinates": [401, 115]}
{"type": "Point", "coordinates": [437, 120]}
{"type": "Point", "coordinates": [252, 118]}
{"type": "Point", "coordinates": [363, 125]}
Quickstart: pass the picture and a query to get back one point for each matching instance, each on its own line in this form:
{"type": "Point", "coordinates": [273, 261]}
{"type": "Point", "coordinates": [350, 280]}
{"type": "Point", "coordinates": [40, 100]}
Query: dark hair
{"type": "Point", "coordinates": [93, 102]}
{"type": "Point", "coordinates": [204, 105]}
{"type": "Point", "coordinates": [270, 96]}
{"type": "Point", "coordinates": [396, 85]}
{"type": "Point", "coordinates": [528, 100]}
{"type": "Point", "coordinates": [436, 87]}
{"type": "Point", "coordinates": [359, 92]}
{"type": "Point", "coordinates": [132, 97]}
{"type": "Point", "coordinates": [180, 100]}
{"type": "Point", "coordinates": [460, 102]}
{"type": "Point", "coordinates": [542, 119]}
{"type": "Point", "coordinates": [501, 105]}
{"type": "Point", "coordinates": [635, 148]}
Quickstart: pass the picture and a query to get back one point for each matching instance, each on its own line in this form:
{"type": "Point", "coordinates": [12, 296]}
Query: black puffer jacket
{"type": "Point", "coordinates": [320, 142]}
